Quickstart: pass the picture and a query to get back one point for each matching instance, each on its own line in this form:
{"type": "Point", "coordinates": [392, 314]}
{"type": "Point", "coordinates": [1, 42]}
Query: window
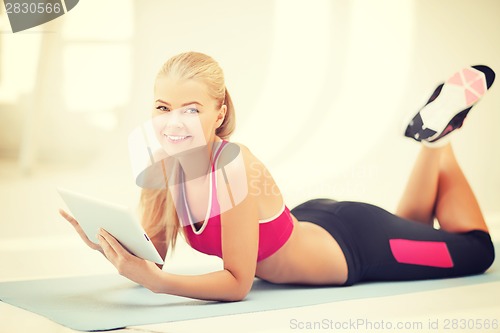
{"type": "Point", "coordinates": [94, 47]}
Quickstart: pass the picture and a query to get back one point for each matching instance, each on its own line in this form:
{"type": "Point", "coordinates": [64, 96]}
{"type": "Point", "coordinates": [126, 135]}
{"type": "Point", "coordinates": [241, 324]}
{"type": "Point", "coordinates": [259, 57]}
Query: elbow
{"type": "Point", "coordinates": [236, 296]}
{"type": "Point", "coordinates": [238, 286]}
{"type": "Point", "coordinates": [238, 292]}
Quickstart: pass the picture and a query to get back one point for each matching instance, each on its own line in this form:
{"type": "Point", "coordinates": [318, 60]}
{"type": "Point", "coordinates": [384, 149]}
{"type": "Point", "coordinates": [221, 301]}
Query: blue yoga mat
{"type": "Point", "coordinates": [105, 302]}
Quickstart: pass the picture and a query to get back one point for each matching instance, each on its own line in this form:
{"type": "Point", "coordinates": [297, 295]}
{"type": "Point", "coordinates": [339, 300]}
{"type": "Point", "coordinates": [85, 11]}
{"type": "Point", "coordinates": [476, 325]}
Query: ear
{"type": "Point", "coordinates": [221, 116]}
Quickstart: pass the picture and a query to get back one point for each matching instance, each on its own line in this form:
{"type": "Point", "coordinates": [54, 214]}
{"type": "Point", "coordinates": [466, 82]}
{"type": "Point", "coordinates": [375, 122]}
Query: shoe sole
{"type": "Point", "coordinates": [451, 100]}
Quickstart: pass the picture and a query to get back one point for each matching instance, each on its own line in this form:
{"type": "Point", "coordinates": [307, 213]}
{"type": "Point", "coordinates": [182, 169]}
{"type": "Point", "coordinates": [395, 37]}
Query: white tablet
{"type": "Point", "coordinates": [119, 221]}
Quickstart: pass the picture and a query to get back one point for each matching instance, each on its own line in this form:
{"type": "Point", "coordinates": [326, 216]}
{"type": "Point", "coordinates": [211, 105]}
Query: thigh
{"type": "Point", "coordinates": [392, 248]}
{"type": "Point", "coordinates": [382, 246]}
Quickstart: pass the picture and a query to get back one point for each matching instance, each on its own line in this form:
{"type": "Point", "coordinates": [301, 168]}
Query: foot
{"type": "Point", "coordinates": [449, 105]}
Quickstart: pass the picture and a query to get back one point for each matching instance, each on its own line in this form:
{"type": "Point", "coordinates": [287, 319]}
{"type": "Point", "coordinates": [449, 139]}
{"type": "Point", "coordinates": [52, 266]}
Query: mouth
{"type": "Point", "coordinates": [177, 138]}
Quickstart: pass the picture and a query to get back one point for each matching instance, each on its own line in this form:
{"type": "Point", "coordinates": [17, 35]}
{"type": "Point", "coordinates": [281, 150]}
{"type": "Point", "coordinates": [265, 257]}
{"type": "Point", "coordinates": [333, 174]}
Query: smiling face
{"type": "Point", "coordinates": [185, 116]}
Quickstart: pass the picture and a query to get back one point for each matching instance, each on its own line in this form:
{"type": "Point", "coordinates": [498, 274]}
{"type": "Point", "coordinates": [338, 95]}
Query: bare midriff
{"type": "Point", "coordinates": [311, 255]}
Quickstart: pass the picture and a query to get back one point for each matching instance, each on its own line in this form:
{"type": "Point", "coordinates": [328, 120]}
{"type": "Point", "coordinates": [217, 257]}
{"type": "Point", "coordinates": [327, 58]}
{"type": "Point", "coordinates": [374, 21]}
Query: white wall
{"type": "Point", "coordinates": [320, 87]}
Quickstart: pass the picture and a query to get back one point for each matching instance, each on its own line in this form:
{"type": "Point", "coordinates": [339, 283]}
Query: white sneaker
{"type": "Point", "coordinates": [449, 105]}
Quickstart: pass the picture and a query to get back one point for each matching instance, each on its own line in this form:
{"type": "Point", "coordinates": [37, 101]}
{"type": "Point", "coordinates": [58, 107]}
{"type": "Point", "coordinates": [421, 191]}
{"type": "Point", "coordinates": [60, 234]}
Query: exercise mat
{"type": "Point", "coordinates": [105, 302]}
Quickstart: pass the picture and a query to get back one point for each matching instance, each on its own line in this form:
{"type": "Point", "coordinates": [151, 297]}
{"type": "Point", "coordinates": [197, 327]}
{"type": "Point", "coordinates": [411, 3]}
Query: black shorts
{"type": "Point", "coordinates": [379, 245]}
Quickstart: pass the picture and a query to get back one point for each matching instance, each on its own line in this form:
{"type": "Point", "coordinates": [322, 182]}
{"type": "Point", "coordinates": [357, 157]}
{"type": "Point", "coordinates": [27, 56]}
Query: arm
{"type": "Point", "coordinates": [239, 246]}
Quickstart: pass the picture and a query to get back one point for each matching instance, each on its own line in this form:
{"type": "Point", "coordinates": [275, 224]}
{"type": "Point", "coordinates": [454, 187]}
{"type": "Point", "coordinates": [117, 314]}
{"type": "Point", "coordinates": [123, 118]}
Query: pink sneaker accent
{"type": "Point", "coordinates": [455, 79]}
{"type": "Point", "coordinates": [448, 129]}
{"type": "Point", "coordinates": [470, 97]}
{"type": "Point", "coordinates": [479, 86]}
{"type": "Point", "coordinates": [470, 74]}
{"type": "Point", "coordinates": [424, 253]}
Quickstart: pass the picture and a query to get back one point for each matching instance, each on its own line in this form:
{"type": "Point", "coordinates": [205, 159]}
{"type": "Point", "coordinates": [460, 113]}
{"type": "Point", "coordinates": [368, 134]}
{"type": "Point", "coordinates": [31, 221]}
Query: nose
{"type": "Point", "coordinates": [169, 120]}
{"type": "Point", "coordinates": [174, 120]}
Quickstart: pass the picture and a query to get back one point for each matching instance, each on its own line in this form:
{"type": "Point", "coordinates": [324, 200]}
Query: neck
{"type": "Point", "coordinates": [196, 163]}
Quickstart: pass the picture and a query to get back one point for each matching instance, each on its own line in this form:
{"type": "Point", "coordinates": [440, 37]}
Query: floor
{"type": "Point", "coordinates": [35, 242]}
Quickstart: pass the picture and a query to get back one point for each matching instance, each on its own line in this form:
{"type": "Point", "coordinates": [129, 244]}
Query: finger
{"type": "Point", "coordinates": [107, 249]}
{"type": "Point", "coordinates": [79, 230]}
{"type": "Point", "coordinates": [113, 243]}
{"type": "Point", "coordinates": [68, 217]}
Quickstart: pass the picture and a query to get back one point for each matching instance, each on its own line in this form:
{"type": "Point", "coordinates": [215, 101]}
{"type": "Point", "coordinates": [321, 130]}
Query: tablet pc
{"type": "Point", "coordinates": [93, 214]}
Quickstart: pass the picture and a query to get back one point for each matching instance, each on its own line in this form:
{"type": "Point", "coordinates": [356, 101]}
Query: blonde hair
{"type": "Point", "coordinates": [157, 205]}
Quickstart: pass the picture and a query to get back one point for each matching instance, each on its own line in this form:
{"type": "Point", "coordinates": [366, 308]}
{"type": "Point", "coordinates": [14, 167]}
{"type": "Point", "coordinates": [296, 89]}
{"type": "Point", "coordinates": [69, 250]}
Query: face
{"type": "Point", "coordinates": [185, 116]}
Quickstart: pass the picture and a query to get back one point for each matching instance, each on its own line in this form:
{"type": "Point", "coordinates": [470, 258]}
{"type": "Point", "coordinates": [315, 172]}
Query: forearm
{"type": "Point", "coordinates": [215, 286]}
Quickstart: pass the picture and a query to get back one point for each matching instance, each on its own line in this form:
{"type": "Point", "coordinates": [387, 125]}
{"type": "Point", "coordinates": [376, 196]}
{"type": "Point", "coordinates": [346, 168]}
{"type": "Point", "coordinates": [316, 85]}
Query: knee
{"type": "Point", "coordinates": [490, 256]}
{"type": "Point", "coordinates": [486, 256]}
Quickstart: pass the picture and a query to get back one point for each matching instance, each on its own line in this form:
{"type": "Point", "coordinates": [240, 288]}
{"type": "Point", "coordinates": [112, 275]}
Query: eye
{"type": "Point", "coordinates": [191, 110]}
{"type": "Point", "coordinates": [162, 108]}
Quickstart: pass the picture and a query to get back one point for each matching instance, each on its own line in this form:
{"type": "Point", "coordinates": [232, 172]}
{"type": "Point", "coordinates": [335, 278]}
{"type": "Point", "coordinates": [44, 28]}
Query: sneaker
{"type": "Point", "coordinates": [450, 103]}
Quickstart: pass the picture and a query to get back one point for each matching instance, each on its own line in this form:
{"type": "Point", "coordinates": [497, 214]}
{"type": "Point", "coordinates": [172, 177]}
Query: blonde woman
{"type": "Point", "coordinates": [225, 203]}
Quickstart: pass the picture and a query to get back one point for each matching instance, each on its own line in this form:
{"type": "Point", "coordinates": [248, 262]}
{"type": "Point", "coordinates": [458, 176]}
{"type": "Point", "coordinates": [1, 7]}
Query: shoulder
{"type": "Point", "coordinates": [233, 151]}
{"type": "Point", "coordinates": [233, 174]}
{"type": "Point", "coordinates": [238, 157]}
{"type": "Point", "coordinates": [237, 171]}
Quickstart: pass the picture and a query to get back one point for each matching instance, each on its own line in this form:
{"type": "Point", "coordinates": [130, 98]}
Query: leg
{"type": "Point", "coordinates": [438, 188]}
{"type": "Point", "coordinates": [457, 209]}
{"type": "Point", "coordinates": [419, 198]}
{"type": "Point", "coordinates": [381, 246]}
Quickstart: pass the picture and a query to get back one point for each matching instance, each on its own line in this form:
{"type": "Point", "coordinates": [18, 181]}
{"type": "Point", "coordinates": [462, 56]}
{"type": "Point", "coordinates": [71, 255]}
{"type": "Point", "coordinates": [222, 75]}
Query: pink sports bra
{"type": "Point", "coordinates": [273, 232]}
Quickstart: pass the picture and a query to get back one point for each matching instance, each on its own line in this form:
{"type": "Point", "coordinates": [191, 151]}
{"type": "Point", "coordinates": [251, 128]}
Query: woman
{"type": "Point", "coordinates": [224, 201]}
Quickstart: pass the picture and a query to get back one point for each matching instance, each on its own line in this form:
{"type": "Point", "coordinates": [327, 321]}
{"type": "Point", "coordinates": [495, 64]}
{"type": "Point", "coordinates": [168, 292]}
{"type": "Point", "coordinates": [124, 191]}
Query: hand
{"type": "Point", "coordinates": [134, 268]}
{"type": "Point", "coordinates": [80, 231]}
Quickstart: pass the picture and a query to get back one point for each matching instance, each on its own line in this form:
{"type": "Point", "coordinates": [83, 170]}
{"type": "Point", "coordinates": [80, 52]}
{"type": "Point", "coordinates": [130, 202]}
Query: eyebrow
{"type": "Point", "coordinates": [185, 104]}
